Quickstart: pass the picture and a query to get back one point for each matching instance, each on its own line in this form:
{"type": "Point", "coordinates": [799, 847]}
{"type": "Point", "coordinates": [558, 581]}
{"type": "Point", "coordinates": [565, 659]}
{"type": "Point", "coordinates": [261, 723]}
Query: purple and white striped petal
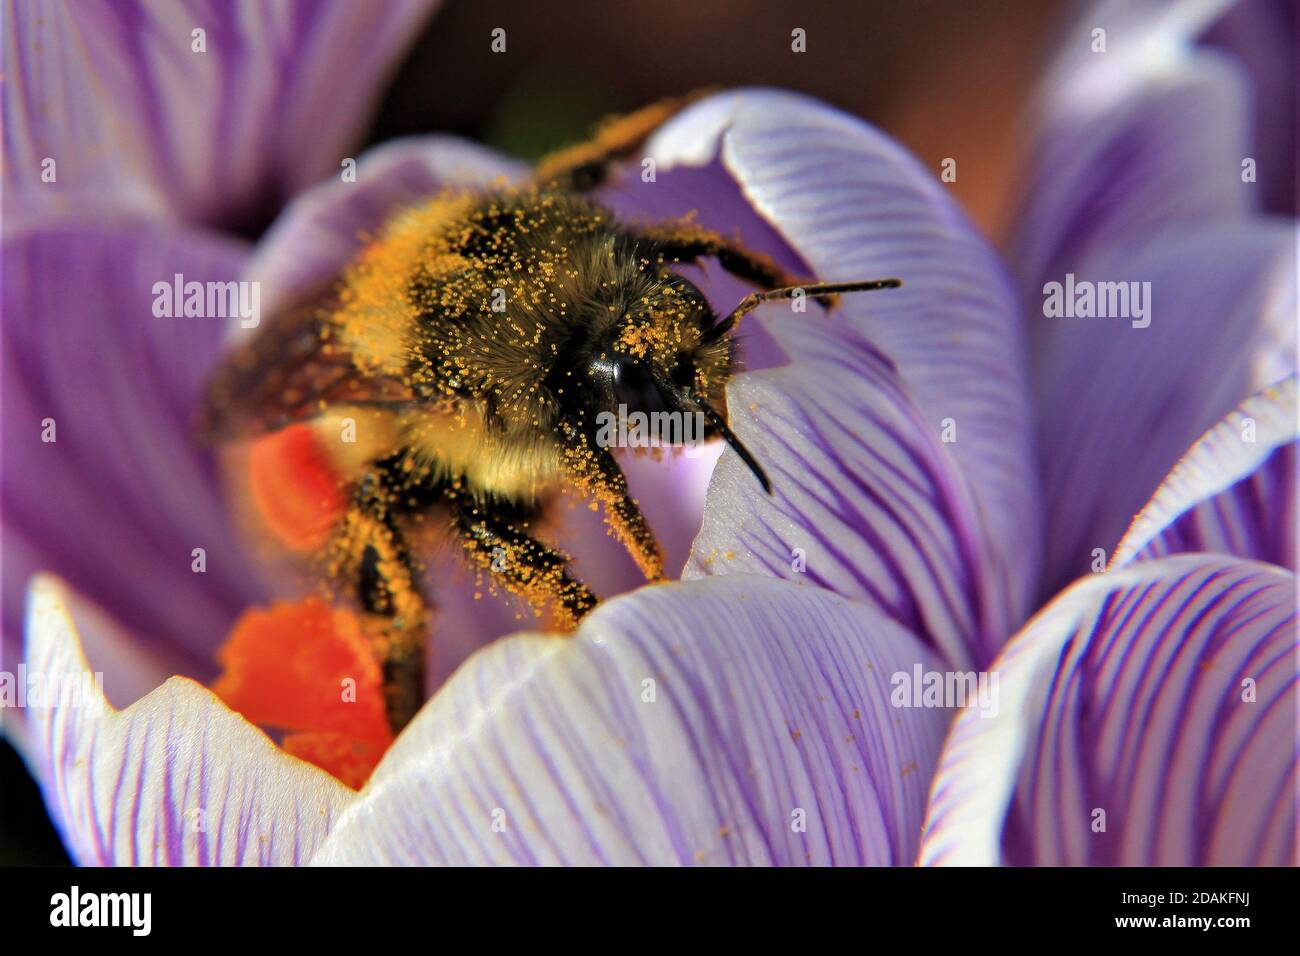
{"type": "Point", "coordinates": [1147, 717]}
{"type": "Point", "coordinates": [104, 483]}
{"type": "Point", "coordinates": [1135, 174]}
{"type": "Point", "coordinates": [1122, 398]}
{"type": "Point", "coordinates": [1233, 493]}
{"type": "Point", "coordinates": [830, 196]}
{"type": "Point", "coordinates": [137, 109]}
{"type": "Point", "coordinates": [738, 720]}
{"type": "Point", "coordinates": [1143, 135]}
{"type": "Point", "coordinates": [866, 501]}
{"type": "Point", "coordinates": [174, 779]}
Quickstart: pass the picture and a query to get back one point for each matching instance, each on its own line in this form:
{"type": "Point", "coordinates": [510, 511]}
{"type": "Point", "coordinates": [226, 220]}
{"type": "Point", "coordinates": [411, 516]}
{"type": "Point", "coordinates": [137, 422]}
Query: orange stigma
{"type": "Point", "coordinates": [307, 669]}
{"type": "Point", "coordinates": [296, 488]}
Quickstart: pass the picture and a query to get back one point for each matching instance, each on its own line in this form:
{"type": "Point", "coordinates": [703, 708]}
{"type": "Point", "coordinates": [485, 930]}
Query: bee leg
{"type": "Point", "coordinates": [525, 566]}
{"type": "Point", "coordinates": [396, 611]}
{"type": "Point", "coordinates": [586, 166]}
{"type": "Point", "coordinates": [596, 473]}
{"type": "Point", "coordinates": [688, 243]}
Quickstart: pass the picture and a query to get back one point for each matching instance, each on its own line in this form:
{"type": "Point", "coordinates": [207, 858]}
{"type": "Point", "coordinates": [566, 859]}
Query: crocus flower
{"type": "Point", "coordinates": [919, 443]}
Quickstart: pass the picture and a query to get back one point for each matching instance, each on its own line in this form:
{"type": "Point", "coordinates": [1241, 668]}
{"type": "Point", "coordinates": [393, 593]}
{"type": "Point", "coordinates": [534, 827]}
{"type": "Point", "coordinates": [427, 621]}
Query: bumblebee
{"type": "Point", "coordinates": [473, 345]}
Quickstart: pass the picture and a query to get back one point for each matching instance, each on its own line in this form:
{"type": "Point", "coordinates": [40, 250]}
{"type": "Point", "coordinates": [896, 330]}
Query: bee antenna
{"type": "Point", "coordinates": [736, 444]}
{"type": "Point", "coordinates": [824, 292]}
{"type": "Point", "coordinates": [717, 421]}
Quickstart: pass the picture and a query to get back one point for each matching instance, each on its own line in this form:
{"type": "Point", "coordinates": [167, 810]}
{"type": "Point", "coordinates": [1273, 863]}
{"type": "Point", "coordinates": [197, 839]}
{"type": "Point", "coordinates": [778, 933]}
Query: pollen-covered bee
{"type": "Point", "coordinates": [473, 345]}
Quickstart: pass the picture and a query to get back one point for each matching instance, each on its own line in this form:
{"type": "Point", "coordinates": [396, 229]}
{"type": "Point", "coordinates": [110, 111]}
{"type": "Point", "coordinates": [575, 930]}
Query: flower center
{"type": "Point", "coordinates": [307, 670]}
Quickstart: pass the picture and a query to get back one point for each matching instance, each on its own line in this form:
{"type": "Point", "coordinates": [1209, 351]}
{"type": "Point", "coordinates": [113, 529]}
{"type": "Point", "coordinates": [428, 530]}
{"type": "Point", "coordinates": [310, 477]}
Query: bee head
{"type": "Point", "coordinates": [665, 364]}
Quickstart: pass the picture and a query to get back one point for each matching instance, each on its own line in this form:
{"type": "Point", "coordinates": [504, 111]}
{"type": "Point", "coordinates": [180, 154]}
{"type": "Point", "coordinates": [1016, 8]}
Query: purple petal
{"type": "Point", "coordinates": [1233, 493]}
{"type": "Point", "coordinates": [114, 92]}
{"type": "Point", "coordinates": [865, 501]}
{"type": "Point", "coordinates": [1144, 137]}
{"type": "Point", "coordinates": [735, 720]}
{"type": "Point", "coordinates": [175, 779]}
{"type": "Point", "coordinates": [829, 195]}
{"type": "Point", "coordinates": [1147, 718]}
{"type": "Point", "coordinates": [1261, 35]}
{"type": "Point", "coordinates": [118, 502]}
{"type": "Point", "coordinates": [1121, 404]}
{"type": "Point", "coordinates": [1135, 174]}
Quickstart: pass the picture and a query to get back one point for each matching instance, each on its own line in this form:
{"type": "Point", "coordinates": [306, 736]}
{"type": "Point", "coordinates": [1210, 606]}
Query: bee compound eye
{"type": "Point", "coordinates": [605, 372]}
{"type": "Point", "coordinates": [635, 387]}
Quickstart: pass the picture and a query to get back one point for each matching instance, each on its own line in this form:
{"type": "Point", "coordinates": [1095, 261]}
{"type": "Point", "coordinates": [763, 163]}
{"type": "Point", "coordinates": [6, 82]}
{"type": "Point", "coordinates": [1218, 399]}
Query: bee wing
{"type": "Point", "coordinates": [287, 372]}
